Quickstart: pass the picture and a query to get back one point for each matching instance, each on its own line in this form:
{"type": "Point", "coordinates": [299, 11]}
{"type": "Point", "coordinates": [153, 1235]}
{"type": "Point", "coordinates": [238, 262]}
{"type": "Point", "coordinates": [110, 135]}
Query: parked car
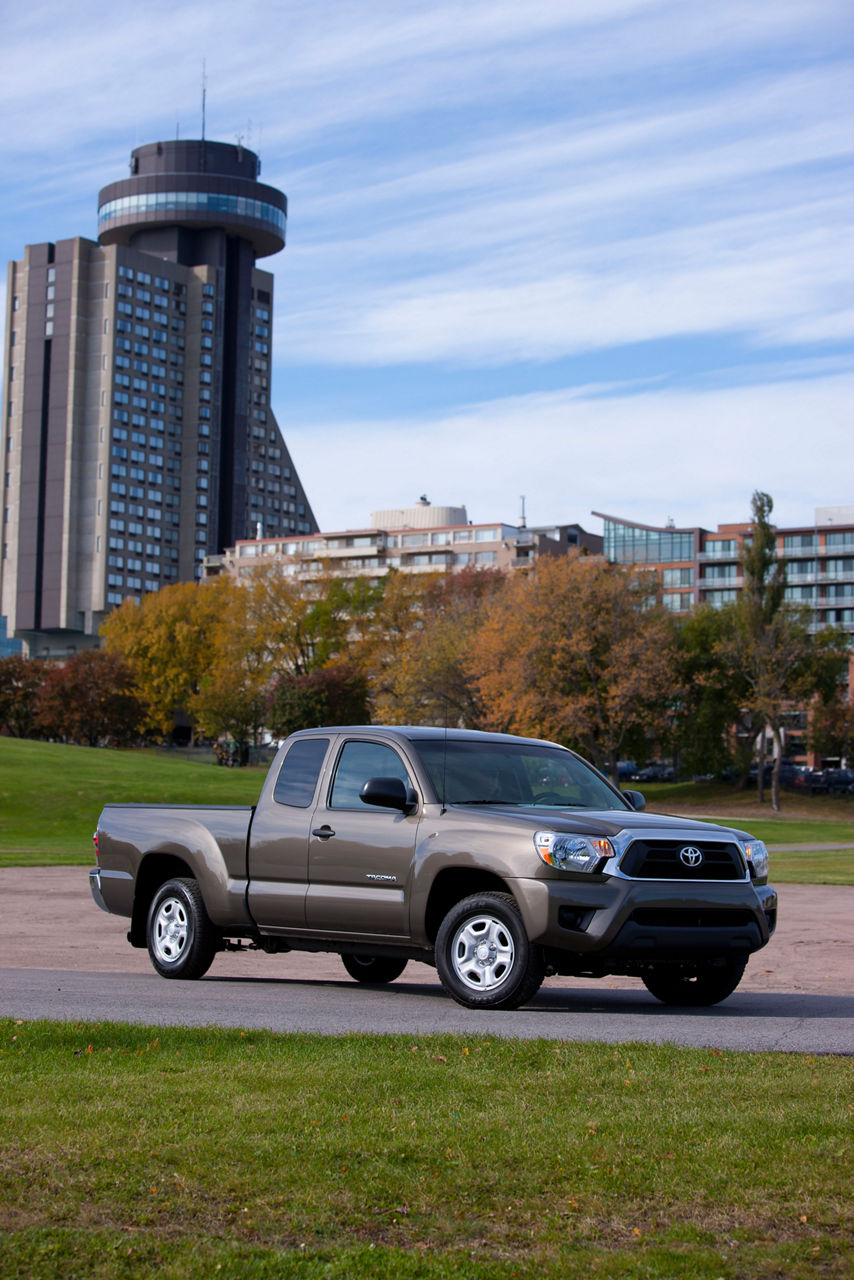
{"type": "Point", "coordinates": [655, 771]}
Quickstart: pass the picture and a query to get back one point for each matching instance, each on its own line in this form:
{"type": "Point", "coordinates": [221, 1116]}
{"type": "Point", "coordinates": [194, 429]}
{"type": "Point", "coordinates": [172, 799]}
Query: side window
{"type": "Point", "coordinates": [358, 762]}
{"type": "Point", "coordinates": [300, 770]}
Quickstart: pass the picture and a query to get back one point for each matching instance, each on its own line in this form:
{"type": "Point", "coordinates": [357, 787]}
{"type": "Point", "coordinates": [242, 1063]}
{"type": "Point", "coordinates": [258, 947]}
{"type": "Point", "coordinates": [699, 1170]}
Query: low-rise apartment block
{"type": "Point", "coordinates": [418, 539]}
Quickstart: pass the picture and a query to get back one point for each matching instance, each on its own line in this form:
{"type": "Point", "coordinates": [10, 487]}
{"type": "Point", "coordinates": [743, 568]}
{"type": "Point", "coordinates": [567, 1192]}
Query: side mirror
{"type": "Point", "coordinates": [388, 793]}
{"type": "Point", "coordinates": [636, 800]}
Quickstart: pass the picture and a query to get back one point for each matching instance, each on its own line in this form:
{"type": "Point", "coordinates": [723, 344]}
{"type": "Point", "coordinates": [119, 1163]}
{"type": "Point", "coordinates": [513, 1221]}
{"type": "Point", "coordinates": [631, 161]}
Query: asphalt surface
{"type": "Point", "coordinates": [60, 957]}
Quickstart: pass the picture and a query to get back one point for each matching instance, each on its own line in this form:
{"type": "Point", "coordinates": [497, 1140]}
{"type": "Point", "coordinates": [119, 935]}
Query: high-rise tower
{"type": "Point", "coordinates": [138, 435]}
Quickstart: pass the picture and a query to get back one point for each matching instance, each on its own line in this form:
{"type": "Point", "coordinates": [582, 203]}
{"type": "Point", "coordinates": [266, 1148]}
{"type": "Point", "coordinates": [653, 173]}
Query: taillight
{"type": "Point", "coordinates": [95, 843]}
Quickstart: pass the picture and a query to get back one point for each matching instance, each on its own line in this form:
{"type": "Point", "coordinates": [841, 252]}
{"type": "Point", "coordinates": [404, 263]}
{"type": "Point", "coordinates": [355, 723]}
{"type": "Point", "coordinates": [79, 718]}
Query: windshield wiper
{"type": "Point", "coordinates": [527, 804]}
{"type": "Point", "coordinates": [512, 802]}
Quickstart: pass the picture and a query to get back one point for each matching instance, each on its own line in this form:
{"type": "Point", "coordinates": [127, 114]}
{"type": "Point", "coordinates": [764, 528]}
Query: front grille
{"type": "Point", "coordinates": [659, 860]}
{"type": "Point", "coordinates": [692, 918]}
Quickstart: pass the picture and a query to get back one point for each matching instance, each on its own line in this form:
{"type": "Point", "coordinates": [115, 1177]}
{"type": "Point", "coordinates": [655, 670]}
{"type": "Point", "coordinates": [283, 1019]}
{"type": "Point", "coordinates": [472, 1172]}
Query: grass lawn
{"type": "Point", "coordinates": [51, 795]}
{"type": "Point", "coordinates": [823, 866]}
{"type": "Point", "coordinates": [129, 1152]}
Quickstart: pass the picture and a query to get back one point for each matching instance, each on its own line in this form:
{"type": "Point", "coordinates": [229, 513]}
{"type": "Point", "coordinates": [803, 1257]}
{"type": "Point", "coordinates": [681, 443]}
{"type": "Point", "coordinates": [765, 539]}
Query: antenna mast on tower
{"type": "Point", "coordinates": [204, 94]}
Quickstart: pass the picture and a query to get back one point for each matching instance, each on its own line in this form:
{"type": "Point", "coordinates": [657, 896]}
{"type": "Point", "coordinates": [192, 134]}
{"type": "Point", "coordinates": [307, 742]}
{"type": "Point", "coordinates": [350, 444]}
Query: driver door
{"type": "Point", "coordinates": [360, 856]}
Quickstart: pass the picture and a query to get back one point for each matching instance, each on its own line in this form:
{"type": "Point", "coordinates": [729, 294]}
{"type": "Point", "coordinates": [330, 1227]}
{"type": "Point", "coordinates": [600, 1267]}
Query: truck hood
{"type": "Point", "coordinates": [596, 822]}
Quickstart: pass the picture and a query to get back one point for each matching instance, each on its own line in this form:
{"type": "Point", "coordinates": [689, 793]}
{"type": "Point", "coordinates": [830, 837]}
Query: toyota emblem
{"type": "Point", "coordinates": [691, 856]}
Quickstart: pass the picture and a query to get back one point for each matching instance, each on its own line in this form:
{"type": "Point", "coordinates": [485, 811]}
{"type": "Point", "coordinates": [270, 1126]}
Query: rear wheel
{"type": "Point", "coordinates": [694, 985]}
{"type": "Point", "coordinates": [483, 955]}
{"type": "Point", "coordinates": [372, 969]}
{"type": "Point", "coordinates": [182, 942]}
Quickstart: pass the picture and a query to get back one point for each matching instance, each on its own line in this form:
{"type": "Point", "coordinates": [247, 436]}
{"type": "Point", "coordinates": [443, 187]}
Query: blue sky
{"type": "Point", "coordinates": [596, 252]}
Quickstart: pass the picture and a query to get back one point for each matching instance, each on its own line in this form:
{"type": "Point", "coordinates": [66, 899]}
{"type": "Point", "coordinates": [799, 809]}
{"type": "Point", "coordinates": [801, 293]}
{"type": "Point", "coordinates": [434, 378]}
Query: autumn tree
{"type": "Point", "coordinates": [307, 624]}
{"type": "Point", "coordinates": [269, 650]}
{"type": "Point", "coordinates": [90, 698]}
{"type": "Point", "coordinates": [576, 651]}
{"type": "Point", "coordinates": [426, 676]}
{"type": "Point", "coordinates": [167, 641]}
{"type": "Point", "coordinates": [21, 680]}
{"type": "Point", "coordinates": [395, 616]}
{"type": "Point", "coordinates": [232, 693]}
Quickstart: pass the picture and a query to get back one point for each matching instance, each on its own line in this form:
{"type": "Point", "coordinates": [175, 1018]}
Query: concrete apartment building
{"type": "Point", "coordinates": [697, 566]}
{"type": "Point", "coordinates": [417, 539]}
{"type": "Point", "coordinates": [137, 436]}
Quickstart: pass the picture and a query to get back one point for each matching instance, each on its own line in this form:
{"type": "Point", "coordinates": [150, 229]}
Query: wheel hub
{"type": "Point", "coordinates": [171, 931]}
{"type": "Point", "coordinates": [482, 953]}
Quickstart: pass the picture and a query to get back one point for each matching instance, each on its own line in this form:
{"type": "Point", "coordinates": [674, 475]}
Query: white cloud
{"type": "Point", "coordinates": [497, 183]}
{"type": "Point", "coordinates": [694, 456]}
{"type": "Point", "coordinates": [725, 277]}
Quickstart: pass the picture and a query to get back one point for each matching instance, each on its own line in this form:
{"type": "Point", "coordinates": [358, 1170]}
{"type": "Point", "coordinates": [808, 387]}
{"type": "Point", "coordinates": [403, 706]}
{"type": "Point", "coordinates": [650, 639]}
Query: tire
{"type": "Point", "coordinates": [696, 985]}
{"type": "Point", "coordinates": [373, 969]}
{"type": "Point", "coordinates": [483, 955]}
{"type": "Point", "coordinates": [182, 942]}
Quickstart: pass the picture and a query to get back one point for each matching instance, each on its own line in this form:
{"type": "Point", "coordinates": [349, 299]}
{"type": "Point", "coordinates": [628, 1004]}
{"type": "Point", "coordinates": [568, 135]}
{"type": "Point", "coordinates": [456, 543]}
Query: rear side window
{"type": "Point", "coordinates": [297, 780]}
{"type": "Point", "coordinates": [358, 762]}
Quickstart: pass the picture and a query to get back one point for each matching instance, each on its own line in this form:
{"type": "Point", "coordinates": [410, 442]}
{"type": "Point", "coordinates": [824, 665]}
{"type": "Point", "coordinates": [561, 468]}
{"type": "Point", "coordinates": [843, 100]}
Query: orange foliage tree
{"type": "Point", "coordinates": [576, 651]}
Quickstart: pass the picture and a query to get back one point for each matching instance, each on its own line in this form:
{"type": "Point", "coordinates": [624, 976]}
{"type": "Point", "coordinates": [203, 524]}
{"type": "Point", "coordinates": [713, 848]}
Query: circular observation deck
{"type": "Point", "coordinates": [195, 185]}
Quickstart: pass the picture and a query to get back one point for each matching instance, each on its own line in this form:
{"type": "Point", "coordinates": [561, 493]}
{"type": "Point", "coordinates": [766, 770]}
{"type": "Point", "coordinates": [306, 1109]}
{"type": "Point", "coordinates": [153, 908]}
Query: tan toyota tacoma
{"type": "Point", "coordinates": [498, 859]}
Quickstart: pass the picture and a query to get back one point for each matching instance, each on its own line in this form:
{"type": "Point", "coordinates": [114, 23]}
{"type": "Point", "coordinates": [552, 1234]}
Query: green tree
{"type": "Point", "coordinates": [769, 644]}
{"type": "Point", "coordinates": [332, 695]}
{"type": "Point", "coordinates": [708, 710]}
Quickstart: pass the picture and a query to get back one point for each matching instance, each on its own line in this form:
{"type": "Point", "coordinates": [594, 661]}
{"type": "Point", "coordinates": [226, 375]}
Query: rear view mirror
{"type": "Point", "coordinates": [636, 800]}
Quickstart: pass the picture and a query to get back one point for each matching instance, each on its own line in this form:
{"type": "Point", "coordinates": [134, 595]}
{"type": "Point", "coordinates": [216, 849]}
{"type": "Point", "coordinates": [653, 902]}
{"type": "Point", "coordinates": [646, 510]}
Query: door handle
{"type": "Point", "coordinates": [323, 833]}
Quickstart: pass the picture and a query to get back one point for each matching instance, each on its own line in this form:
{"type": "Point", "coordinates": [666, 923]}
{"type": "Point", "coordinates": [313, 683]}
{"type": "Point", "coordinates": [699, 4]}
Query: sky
{"type": "Point", "coordinates": [593, 252]}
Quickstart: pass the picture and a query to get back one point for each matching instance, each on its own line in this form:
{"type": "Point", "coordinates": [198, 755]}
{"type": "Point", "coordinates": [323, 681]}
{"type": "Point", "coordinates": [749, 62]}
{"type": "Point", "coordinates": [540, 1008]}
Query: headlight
{"type": "Point", "coordinates": [572, 853]}
{"type": "Point", "coordinates": [757, 858]}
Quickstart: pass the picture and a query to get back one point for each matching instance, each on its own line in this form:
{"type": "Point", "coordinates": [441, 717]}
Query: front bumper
{"type": "Point", "coordinates": [614, 922]}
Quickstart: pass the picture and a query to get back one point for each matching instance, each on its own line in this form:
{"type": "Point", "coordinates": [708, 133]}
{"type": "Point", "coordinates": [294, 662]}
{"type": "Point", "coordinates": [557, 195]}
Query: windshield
{"type": "Point", "coordinates": [517, 773]}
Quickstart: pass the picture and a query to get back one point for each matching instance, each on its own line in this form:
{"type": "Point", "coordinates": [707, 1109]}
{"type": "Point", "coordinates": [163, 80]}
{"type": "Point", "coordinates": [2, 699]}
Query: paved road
{"type": "Point", "coordinates": [794, 1021]}
{"type": "Point", "coordinates": [60, 957]}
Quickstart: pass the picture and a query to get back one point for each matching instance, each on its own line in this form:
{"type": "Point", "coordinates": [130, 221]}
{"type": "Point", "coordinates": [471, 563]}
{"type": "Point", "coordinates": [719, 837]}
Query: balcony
{"type": "Point", "coordinates": [720, 584]}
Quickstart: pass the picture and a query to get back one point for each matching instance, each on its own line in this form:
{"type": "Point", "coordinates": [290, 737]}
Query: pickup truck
{"type": "Point", "coordinates": [498, 859]}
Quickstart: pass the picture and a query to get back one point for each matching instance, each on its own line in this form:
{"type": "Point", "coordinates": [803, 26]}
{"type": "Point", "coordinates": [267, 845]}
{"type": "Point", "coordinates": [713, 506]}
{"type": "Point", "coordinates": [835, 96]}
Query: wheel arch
{"type": "Point", "coordinates": [154, 870]}
{"type": "Point", "coordinates": [454, 884]}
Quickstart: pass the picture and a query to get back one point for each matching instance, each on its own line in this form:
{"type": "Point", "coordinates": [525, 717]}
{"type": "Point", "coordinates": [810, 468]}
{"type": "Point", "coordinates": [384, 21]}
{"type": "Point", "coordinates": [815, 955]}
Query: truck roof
{"type": "Point", "coordinates": [423, 731]}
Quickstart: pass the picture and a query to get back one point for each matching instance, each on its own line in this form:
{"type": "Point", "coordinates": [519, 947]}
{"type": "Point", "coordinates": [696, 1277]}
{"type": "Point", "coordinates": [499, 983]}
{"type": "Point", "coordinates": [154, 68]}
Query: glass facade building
{"type": "Point", "coordinates": [819, 562]}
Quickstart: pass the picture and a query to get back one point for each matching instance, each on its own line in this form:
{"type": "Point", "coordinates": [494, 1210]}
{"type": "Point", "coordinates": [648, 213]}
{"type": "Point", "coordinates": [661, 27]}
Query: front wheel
{"type": "Point", "coordinates": [694, 986]}
{"type": "Point", "coordinates": [373, 969]}
{"type": "Point", "coordinates": [483, 955]}
{"type": "Point", "coordinates": [182, 942]}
